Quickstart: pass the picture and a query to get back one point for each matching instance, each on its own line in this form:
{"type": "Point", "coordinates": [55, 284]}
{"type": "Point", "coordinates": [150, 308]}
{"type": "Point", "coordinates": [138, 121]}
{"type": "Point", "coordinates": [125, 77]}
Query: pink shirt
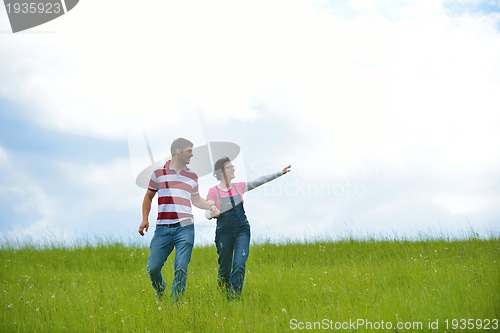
{"type": "Point", "coordinates": [214, 195]}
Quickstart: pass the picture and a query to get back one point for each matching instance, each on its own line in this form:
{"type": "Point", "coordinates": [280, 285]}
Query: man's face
{"type": "Point", "coordinates": [185, 155]}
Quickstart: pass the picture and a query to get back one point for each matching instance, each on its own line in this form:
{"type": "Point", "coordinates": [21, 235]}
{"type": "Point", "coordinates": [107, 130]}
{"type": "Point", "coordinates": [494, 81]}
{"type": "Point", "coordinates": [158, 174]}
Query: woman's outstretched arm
{"type": "Point", "coordinates": [265, 179]}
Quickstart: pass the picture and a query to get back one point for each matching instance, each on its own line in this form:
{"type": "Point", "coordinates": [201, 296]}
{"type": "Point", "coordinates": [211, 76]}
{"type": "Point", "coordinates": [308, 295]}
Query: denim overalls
{"type": "Point", "coordinates": [232, 239]}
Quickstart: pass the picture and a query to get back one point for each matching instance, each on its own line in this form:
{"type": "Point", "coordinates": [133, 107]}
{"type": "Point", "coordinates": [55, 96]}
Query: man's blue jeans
{"type": "Point", "coordinates": [233, 244]}
{"type": "Point", "coordinates": [162, 244]}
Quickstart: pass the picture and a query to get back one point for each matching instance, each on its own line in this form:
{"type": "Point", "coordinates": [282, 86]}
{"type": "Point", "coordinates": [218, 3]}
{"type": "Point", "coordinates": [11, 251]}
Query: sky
{"type": "Point", "coordinates": [388, 112]}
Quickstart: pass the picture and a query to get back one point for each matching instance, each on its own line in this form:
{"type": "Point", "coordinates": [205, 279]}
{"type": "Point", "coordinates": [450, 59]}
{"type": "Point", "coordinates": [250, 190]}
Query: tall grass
{"type": "Point", "coordinates": [105, 288]}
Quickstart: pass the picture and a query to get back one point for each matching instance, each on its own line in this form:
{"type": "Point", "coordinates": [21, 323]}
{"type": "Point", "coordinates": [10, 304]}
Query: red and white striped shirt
{"type": "Point", "coordinates": [174, 193]}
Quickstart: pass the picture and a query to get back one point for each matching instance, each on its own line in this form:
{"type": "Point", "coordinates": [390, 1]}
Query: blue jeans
{"type": "Point", "coordinates": [233, 244]}
{"type": "Point", "coordinates": [162, 244]}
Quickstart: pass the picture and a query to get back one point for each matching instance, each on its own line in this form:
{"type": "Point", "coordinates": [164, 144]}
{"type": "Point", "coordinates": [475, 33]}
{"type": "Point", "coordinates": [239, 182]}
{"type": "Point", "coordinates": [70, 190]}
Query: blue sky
{"type": "Point", "coordinates": [473, 7]}
{"type": "Point", "coordinates": [387, 110]}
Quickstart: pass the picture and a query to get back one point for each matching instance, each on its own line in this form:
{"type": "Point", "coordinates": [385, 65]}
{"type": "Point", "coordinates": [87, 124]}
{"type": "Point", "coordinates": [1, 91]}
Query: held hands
{"type": "Point", "coordinates": [286, 169]}
{"type": "Point", "coordinates": [214, 211]}
{"type": "Point", "coordinates": [144, 225]}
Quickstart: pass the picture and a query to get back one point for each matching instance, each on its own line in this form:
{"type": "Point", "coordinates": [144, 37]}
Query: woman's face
{"type": "Point", "coordinates": [229, 170]}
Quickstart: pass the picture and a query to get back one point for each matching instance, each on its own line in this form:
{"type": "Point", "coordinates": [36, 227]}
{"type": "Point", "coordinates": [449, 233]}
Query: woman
{"type": "Point", "coordinates": [232, 234]}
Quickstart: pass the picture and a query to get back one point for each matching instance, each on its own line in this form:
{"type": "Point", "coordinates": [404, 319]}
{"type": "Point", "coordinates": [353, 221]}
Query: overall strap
{"type": "Point", "coordinates": [236, 189]}
{"type": "Point", "coordinates": [230, 196]}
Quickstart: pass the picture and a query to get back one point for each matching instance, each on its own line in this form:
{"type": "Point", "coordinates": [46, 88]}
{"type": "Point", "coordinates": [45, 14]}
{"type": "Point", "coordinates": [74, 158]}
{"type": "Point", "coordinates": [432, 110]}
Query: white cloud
{"type": "Point", "coordinates": [67, 201]}
{"type": "Point", "coordinates": [105, 77]}
{"type": "Point", "coordinates": [104, 197]}
{"type": "Point", "coordinates": [399, 86]}
{"type": "Point", "coordinates": [30, 212]}
{"type": "Point", "coordinates": [41, 211]}
{"type": "Point", "coordinates": [4, 158]}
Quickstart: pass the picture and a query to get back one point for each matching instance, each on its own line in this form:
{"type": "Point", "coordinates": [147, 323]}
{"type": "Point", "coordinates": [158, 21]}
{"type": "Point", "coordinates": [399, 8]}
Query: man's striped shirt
{"type": "Point", "coordinates": [174, 193]}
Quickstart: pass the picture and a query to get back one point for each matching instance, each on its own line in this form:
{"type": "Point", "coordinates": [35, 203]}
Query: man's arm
{"type": "Point", "coordinates": [208, 213]}
{"type": "Point", "coordinates": [146, 208]}
{"type": "Point", "coordinates": [201, 203]}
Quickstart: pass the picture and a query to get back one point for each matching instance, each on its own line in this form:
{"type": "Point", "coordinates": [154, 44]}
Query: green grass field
{"type": "Point", "coordinates": [342, 286]}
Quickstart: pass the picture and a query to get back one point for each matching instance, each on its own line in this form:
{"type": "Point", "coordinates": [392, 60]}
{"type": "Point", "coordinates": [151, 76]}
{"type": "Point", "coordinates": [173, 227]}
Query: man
{"type": "Point", "coordinates": [177, 188]}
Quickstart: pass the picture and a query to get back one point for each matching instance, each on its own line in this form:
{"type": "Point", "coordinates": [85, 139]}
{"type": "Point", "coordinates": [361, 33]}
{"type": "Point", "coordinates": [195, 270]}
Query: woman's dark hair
{"type": "Point", "coordinates": [219, 167]}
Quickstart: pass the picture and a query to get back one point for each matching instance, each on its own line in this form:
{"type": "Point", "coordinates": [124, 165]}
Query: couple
{"type": "Point", "coordinates": [177, 188]}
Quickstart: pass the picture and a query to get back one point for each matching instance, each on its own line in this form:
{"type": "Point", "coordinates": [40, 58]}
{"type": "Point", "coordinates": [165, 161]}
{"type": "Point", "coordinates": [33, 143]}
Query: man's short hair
{"type": "Point", "coordinates": [181, 144]}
